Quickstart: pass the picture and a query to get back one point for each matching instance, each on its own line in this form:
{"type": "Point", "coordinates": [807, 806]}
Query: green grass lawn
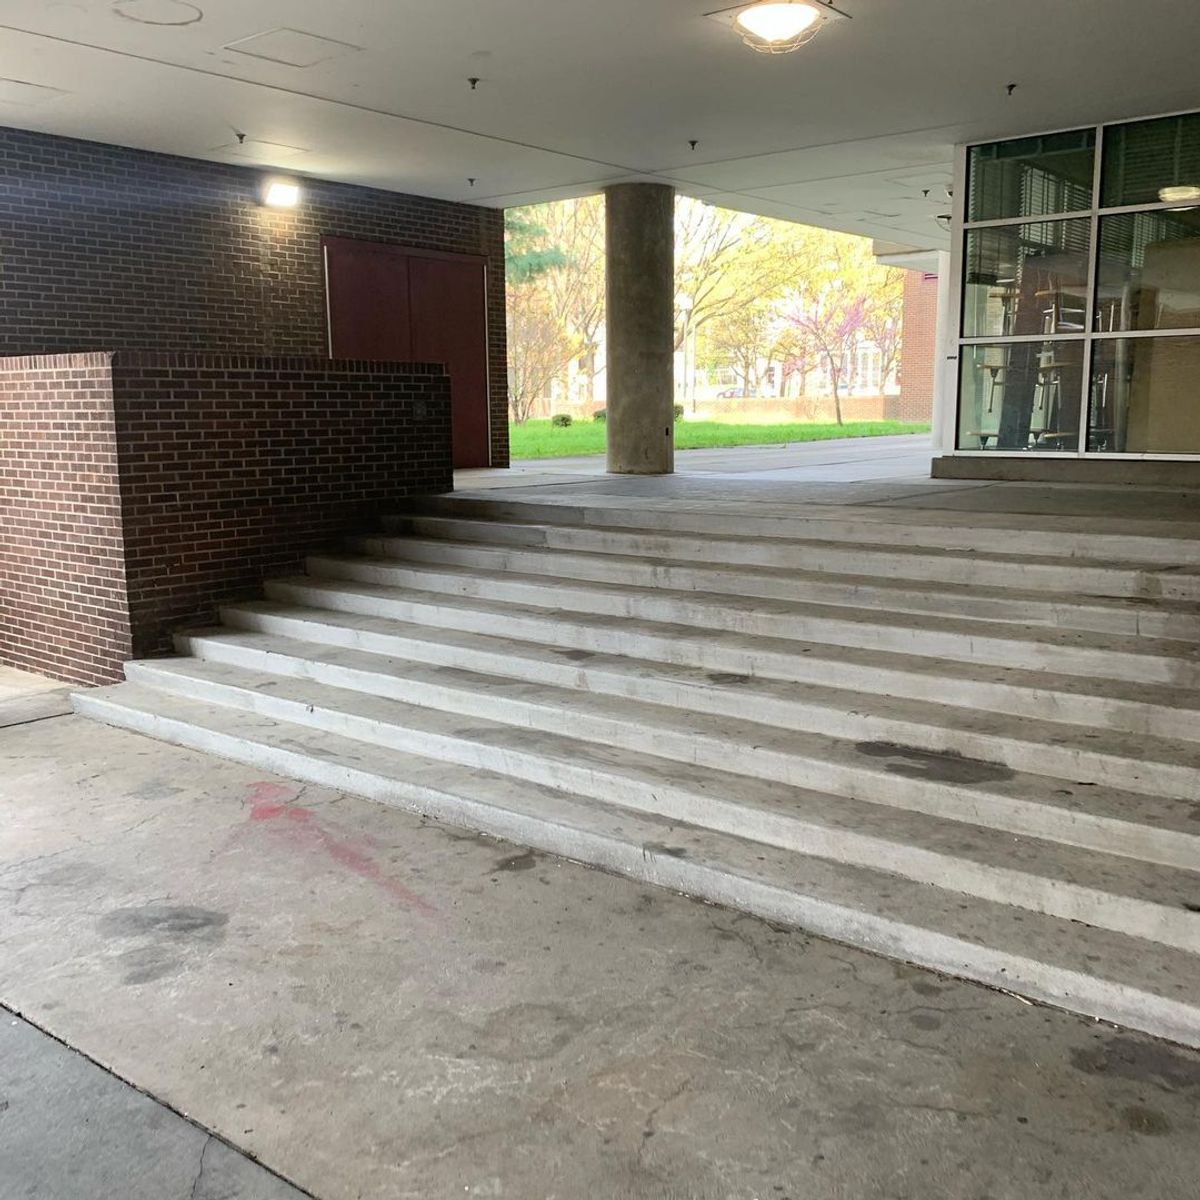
{"type": "Point", "coordinates": [539, 439]}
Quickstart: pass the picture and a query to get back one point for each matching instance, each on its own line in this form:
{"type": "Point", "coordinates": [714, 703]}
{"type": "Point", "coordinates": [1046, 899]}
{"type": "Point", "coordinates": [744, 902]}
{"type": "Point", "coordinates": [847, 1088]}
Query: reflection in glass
{"type": "Point", "coordinates": [1031, 177]}
{"type": "Point", "coordinates": [1142, 158]}
{"type": "Point", "coordinates": [1144, 396]}
{"type": "Point", "coordinates": [1149, 271]}
{"type": "Point", "coordinates": [1020, 396]}
{"type": "Point", "coordinates": [1025, 279]}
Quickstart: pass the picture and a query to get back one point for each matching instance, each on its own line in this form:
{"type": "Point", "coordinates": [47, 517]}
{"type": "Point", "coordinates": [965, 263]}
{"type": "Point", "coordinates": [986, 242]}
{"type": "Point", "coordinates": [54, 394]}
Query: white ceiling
{"type": "Point", "coordinates": [846, 133]}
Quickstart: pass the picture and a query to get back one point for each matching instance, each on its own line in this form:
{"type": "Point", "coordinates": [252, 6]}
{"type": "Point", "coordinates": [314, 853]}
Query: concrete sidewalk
{"type": "Point", "coordinates": [70, 1130]}
{"type": "Point", "coordinates": [374, 1005]}
{"type": "Point", "coordinates": [844, 460]}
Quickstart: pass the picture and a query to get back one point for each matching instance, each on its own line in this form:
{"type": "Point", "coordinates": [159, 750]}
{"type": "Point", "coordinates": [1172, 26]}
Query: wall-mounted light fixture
{"type": "Point", "coordinates": [778, 26]}
{"type": "Point", "coordinates": [278, 192]}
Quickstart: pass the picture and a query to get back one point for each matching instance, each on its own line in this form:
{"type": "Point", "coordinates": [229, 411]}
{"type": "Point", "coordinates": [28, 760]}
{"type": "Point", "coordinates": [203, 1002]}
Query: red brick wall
{"type": "Point", "coordinates": [139, 491]}
{"type": "Point", "coordinates": [232, 468]}
{"type": "Point", "coordinates": [63, 608]}
{"type": "Point", "coordinates": [918, 349]}
{"type": "Point", "coordinates": [109, 248]}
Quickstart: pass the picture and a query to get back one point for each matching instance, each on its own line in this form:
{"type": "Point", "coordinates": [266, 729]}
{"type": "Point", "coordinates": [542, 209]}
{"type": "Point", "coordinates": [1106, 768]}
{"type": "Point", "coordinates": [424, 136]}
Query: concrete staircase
{"type": "Point", "coordinates": [972, 743]}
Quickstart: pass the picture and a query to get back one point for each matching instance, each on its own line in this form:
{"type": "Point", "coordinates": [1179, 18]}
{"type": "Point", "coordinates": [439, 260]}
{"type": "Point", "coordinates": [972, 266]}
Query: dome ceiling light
{"type": "Point", "coordinates": [1179, 193]}
{"type": "Point", "coordinates": [778, 26]}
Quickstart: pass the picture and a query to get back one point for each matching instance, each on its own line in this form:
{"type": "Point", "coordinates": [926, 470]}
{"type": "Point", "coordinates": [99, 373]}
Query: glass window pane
{"type": "Point", "coordinates": [1031, 177]}
{"type": "Point", "coordinates": [1020, 396]}
{"type": "Point", "coordinates": [1149, 271]}
{"type": "Point", "coordinates": [1143, 157]}
{"type": "Point", "coordinates": [1023, 279]}
{"type": "Point", "coordinates": [1144, 398]}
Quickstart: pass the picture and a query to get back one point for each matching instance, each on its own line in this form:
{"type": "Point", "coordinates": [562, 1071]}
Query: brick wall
{"type": "Point", "coordinates": [233, 467]}
{"type": "Point", "coordinates": [139, 491]}
{"type": "Point", "coordinates": [108, 248]}
{"type": "Point", "coordinates": [918, 349]}
{"type": "Point", "coordinates": [63, 608]}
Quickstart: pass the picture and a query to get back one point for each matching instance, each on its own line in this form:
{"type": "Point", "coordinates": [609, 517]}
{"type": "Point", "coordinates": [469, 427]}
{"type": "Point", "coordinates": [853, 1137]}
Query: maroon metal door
{"type": "Point", "coordinates": [388, 302]}
{"type": "Point", "coordinates": [367, 292]}
{"type": "Point", "coordinates": [449, 325]}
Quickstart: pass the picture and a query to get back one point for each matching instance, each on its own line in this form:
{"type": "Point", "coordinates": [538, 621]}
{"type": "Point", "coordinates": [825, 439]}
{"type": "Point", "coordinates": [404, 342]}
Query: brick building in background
{"type": "Point", "coordinates": [918, 350]}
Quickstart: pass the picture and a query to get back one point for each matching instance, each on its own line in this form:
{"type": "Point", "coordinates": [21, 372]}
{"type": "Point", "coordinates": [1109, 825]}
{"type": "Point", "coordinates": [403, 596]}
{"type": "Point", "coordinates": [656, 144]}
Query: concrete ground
{"type": "Point", "coordinates": [841, 460]}
{"type": "Point", "coordinates": [372, 1005]}
{"type": "Point", "coordinates": [70, 1130]}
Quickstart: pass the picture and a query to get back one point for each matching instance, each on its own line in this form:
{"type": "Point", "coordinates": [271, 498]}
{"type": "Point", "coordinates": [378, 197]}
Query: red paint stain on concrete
{"type": "Point", "coordinates": [270, 805]}
{"type": "Point", "coordinates": [268, 800]}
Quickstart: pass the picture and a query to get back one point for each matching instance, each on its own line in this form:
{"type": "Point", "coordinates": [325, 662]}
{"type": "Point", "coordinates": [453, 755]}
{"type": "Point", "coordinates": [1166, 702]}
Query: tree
{"type": "Point", "coordinates": [709, 244]}
{"type": "Point", "coordinates": [726, 263]}
{"type": "Point", "coordinates": [835, 292]}
{"type": "Point", "coordinates": [755, 291]}
{"type": "Point", "coordinates": [526, 252]}
{"type": "Point", "coordinates": [537, 348]}
{"type": "Point", "coordinates": [578, 289]}
{"type": "Point", "coordinates": [744, 339]}
{"type": "Point", "coordinates": [883, 321]}
{"type": "Point", "coordinates": [832, 319]}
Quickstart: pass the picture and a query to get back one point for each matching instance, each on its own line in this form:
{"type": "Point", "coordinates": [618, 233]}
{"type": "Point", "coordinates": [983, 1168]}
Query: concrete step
{"type": "Point", "coordinates": [416, 624]}
{"type": "Point", "coordinates": [1144, 900]}
{"type": "Point", "coordinates": [1065, 651]}
{"type": "Point", "coordinates": [1103, 974]}
{"type": "Point", "coordinates": [1136, 761]}
{"type": "Point", "coordinates": [1027, 534]}
{"type": "Point", "coordinates": [1095, 814]}
{"type": "Point", "coordinates": [1117, 615]}
{"type": "Point", "coordinates": [976, 568]}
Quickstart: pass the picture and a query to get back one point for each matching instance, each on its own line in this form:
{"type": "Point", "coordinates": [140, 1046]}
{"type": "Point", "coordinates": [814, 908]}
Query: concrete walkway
{"type": "Point", "coordinates": [70, 1130]}
{"type": "Point", "coordinates": [842, 460]}
{"type": "Point", "coordinates": [373, 1005]}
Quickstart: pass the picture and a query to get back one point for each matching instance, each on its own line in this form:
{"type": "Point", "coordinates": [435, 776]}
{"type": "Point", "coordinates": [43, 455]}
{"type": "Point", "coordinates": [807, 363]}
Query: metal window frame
{"type": "Point", "coordinates": [961, 227]}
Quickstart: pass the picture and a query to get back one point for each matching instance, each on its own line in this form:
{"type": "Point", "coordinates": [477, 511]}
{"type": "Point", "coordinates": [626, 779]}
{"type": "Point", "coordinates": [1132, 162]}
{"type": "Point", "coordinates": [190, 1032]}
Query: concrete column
{"type": "Point", "coordinates": [640, 255]}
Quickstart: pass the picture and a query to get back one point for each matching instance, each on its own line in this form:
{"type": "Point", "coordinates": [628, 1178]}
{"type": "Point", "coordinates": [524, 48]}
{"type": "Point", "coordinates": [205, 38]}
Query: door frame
{"type": "Point", "coordinates": [420, 252]}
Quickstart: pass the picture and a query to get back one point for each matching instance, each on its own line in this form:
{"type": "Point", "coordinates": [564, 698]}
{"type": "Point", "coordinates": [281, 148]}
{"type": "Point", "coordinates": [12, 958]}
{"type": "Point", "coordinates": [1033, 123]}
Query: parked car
{"type": "Point", "coordinates": [732, 394]}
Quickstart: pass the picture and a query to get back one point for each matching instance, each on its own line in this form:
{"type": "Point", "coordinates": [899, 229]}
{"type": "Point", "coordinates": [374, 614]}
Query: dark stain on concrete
{"type": "Point", "coordinates": [157, 789]}
{"type": "Point", "coordinates": [182, 922]}
{"type": "Point", "coordinates": [146, 964]}
{"type": "Point", "coordinates": [525, 1032]}
{"type": "Point", "coordinates": [525, 861]}
{"type": "Point", "coordinates": [924, 988]}
{"type": "Point", "coordinates": [1147, 1121]}
{"type": "Point", "coordinates": [724, 677]}
{"type": "Point", "coordinates": [71, 875]}
{"type": "Point", "coordinates": [167, 934]}
{"type": "Point", "coordinates": [1125, 1056]}
{"type": "Point", "coordinates": [577, 655]}
{"type": "Point", "coordinates": [942, 766]}
{"type": "Point", "coordinates": [925, 1021]}
{"type": "Point", "coordinates": [663, 849]}
{"type": "Point", "coordinates": [461, 835]}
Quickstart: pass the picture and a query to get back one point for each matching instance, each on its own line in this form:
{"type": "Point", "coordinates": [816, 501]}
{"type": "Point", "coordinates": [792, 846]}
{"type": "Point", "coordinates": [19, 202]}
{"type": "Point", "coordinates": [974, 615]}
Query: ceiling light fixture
{"type": "Point", "coordinates": [778, 26]}
{"type": "Point", "coordinates": [281, 193]}
{"type": "Point", "coordinates": [1179, 193]}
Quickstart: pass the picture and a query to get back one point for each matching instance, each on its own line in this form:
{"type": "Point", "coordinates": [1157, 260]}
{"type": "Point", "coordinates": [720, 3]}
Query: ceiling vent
{"type": "Point", "coordinates": [291, 47]}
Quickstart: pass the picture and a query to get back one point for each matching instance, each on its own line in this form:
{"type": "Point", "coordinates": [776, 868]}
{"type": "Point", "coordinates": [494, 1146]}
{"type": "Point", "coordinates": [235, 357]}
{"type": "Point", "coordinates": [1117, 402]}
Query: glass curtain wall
{"type": "Point", "coordinates": [1080, 304]}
